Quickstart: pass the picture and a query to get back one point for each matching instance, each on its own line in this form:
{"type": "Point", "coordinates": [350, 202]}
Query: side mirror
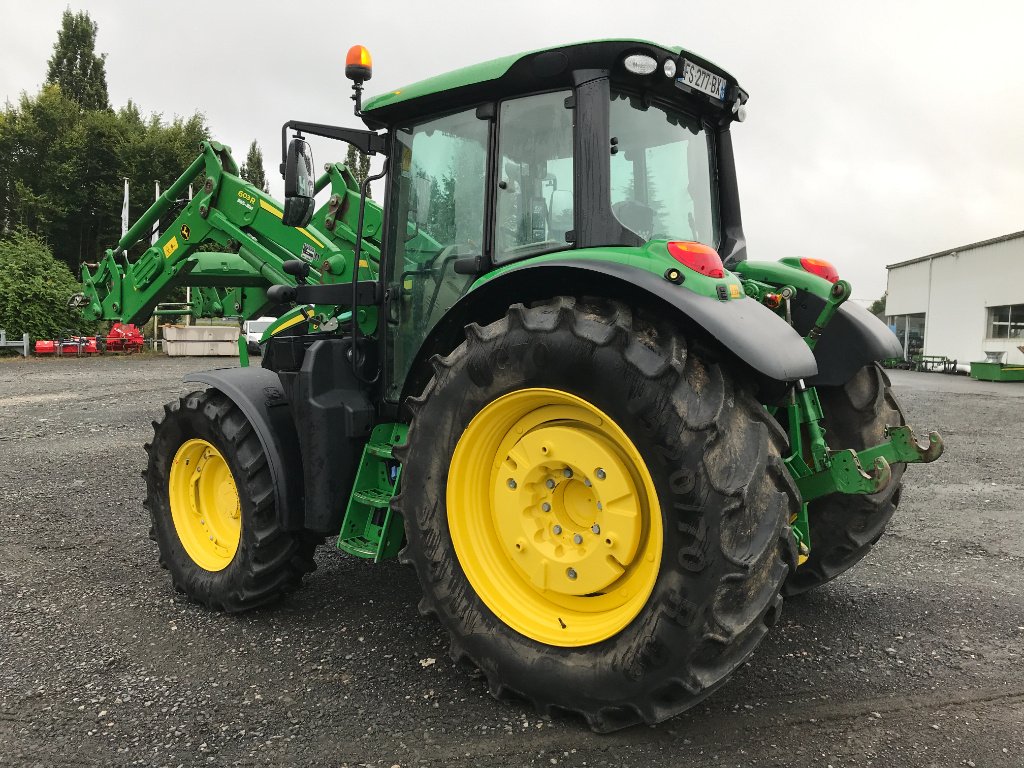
{"type": "Point", "coordinates": [298, 184]}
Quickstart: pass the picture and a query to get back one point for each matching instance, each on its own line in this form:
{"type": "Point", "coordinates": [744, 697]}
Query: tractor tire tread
{"type": "Point", "coordinates": [755, 548]}
{"type": "Point", "coordinates": [270, 561]}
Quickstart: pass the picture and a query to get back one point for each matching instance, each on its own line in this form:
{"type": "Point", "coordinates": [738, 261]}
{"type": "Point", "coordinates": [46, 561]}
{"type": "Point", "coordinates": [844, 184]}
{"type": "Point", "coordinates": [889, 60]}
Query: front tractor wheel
{"type": "Point", "coordinates": [211, 501]}
{"type": "Point", "coordinates": [597, 514]}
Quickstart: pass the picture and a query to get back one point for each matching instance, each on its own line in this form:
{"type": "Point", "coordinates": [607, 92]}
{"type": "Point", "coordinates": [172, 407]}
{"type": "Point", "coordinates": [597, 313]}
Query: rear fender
{"type": "Point", "coordinates": [852, 339]}
{"type": "Point", "coordinates": [747, 331]}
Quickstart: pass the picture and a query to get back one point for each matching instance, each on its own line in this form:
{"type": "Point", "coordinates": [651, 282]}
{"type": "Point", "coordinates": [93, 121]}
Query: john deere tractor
{"type": "Point", "coordinates": [544, 374]}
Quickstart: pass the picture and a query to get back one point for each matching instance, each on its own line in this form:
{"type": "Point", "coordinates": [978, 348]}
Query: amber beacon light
{"type": "Point", "coordinates": [358, 64]}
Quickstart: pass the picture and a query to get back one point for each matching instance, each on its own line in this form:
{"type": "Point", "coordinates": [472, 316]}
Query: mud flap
{"type": "Point", "coordinates": [852, 339]}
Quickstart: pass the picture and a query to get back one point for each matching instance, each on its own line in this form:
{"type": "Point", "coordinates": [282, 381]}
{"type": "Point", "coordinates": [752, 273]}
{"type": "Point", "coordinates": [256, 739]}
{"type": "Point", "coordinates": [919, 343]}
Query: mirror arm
{"type": "Point", "coordinates": [367, 142]}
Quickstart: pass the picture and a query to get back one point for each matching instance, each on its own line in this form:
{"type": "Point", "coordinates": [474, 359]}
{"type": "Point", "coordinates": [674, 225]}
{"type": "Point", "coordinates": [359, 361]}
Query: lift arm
{"type": "Point", "coordinates": [232, 214]}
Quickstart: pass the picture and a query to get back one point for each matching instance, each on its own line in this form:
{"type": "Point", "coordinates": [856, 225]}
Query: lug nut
{"type": "Point", "coordinates": [567, 472]}
{"type": "Point", "coordinates": [511, 483]}
{"type": "Point", "coordinates": [571, 573]}
{"type": "Point", "coordinates": [545, 507]}
{"type": "Point", "coordinates": [550, 483]}
{"type": "Point", "coordinates": [557, 530]}
{"type": "Point", "coordinates": [600, 474]}
{"type": "Point", "coordinates": [577, 539]}
{"type": "Point", "coordinates": [595, 528]}
{"type": "Point", "coordinates": [600, 505]}
{"type": "Point", "coordinates": [587, 482]}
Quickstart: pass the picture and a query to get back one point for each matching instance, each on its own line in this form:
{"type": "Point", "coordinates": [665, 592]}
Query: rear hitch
{"type": "Point", "coordinates": [844, 472]}
{"type": "Point", "coordinates": [904, 447]}
{"type": "Point", "coordinates": [820, 471]}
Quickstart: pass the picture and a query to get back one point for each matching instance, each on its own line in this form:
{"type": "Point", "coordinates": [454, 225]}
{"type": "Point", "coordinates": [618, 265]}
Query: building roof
{"type": "Point", "coordinates": [959, 249]}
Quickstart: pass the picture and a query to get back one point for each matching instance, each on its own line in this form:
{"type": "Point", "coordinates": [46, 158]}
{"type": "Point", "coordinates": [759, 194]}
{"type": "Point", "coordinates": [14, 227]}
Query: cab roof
{"type": "Point", "coordinates": [511, 75]}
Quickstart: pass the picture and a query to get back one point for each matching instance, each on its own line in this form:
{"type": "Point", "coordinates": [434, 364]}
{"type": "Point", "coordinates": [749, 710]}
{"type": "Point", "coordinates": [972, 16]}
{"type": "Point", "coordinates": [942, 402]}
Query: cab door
{"type": "Point", "coordinates": [437, 218]}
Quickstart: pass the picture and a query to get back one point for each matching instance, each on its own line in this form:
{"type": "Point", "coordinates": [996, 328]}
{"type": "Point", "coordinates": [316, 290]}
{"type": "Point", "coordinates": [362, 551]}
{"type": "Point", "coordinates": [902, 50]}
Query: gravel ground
{"type": "Point", "coordinates": [912, 659]}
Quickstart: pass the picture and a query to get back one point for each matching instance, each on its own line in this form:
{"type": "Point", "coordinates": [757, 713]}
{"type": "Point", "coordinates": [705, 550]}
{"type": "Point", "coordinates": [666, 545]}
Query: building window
{"type": "Point", "coordinates": [909, 329]}
{"type": "Point", "coordinates": [1006, 322]}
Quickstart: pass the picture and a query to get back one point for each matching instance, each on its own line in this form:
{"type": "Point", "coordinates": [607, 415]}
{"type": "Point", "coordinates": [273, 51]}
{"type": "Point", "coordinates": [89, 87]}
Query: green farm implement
{"type": "Point", "coordinates": [542, 372]}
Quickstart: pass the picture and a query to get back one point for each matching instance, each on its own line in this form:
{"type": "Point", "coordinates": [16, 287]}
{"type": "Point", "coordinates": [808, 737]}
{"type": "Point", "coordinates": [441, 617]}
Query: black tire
{"type": "Point", "coordinates": [725, 495]}
{"type": "Point", "coordinates": [844, 528]}
{"type": "Point", "coordinates": [255, 349]}
{"type": "Point", "coordinates": [269, 561]}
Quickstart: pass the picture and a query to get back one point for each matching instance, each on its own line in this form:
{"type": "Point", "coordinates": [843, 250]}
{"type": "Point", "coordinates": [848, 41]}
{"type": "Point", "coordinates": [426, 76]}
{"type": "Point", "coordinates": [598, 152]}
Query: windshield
{"type": "Point", "coordinates": [661, 173]}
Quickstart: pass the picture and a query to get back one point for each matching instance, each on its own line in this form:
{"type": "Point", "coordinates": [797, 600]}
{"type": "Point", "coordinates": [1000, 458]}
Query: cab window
{"type": "Point", "coordinates": [661, 172]}
{"type": "Point", "coordinates": [534, 199]}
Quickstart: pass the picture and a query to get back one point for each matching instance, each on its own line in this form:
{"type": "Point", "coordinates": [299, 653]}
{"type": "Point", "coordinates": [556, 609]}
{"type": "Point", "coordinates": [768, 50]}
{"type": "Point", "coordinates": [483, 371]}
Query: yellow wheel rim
{"type": "Point", "coordinates": [554, 517]}
{"type": "Point", "coordinates": [205, 508]}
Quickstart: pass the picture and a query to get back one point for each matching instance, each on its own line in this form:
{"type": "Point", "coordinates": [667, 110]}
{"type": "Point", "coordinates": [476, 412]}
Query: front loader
{"type": "Point", "coordinates": [254, 247]}
{"type": "Point", "coordinates": [545, 375]}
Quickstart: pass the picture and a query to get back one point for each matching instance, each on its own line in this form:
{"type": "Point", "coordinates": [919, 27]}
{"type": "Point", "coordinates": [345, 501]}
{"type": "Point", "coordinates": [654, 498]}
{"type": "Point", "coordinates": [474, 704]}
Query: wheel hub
{"type": "Point", "coordinates": [205, 506]}
{"type": "Point", "coordinates": [567, 531]}
{"type": "Point", "coordinates": [554, 517]}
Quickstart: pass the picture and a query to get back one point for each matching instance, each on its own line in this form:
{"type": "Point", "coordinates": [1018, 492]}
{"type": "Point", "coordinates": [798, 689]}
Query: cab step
{"type": "Point", "coordinates": [370, 529]}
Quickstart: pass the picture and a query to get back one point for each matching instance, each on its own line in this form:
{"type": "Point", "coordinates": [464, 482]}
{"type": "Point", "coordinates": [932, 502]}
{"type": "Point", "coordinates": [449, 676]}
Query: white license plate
{"type": "Point", "coordinates": [701, 80]}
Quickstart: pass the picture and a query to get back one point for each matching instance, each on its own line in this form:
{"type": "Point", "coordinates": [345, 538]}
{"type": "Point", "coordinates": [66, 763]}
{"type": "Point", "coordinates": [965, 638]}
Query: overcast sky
{"type": "Point", "coordinates": [877, 131]}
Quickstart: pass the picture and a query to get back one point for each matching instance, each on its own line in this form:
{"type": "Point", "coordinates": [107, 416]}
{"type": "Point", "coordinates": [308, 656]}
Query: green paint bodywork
{"type": "Point", "coordinates": [229, 211]}
{"type": "Point", "coordinates": [652, 257]}
{"type": "Point", "coordinates": [779, 274]}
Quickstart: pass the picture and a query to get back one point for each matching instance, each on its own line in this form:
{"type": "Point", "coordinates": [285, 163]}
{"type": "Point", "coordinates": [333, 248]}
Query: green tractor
{"type": "Point", "coordinates": [543, 373]}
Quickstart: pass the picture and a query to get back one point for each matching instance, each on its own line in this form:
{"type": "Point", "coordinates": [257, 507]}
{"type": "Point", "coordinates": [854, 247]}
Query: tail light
{"type": "Point", "coordinates": [698, 257]}
{"type": "Point", "coordinates": [821, 268]}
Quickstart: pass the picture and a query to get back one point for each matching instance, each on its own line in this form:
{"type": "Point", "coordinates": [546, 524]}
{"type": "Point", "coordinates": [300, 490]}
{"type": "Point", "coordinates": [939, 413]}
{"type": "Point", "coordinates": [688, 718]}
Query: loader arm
{"type": "Point", "coordinates": [231, 214]}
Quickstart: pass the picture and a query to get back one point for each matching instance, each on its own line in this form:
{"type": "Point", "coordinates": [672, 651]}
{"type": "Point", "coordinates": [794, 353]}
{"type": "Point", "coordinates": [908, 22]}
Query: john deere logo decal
{"type": "Point", "coordinates": [185, 232]}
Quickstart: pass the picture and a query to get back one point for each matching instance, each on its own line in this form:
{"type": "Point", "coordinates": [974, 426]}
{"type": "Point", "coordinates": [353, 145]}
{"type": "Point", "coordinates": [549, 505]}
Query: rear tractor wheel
{"type": "Point", "coordinates": [596, 514]}
{"type": "Point", "coordinates": [211, 501]}
{"type": "Point", "coordinates": [844, 528]}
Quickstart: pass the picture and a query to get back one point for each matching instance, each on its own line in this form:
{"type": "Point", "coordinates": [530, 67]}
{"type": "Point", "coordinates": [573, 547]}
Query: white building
{"type": "Point", "coordinates": [961, 303]}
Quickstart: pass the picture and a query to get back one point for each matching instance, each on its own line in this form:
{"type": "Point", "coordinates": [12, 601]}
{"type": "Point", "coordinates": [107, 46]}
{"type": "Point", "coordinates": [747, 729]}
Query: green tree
{"type": "Point", "coordinates": [74, 66]}
{"type": "Point", "coordinates": [878, 305]}
{"type": "Point", "coordinates": [359, 163]}
{"type": "Point", "coordinates": [252, 169]}
{"type": "Point", "coordinates": [62, 169]}
{"type": "Point", "coordinates": [34, 290]}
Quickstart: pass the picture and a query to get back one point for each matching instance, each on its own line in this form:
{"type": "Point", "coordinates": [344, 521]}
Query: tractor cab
{"type": "Point", "coordinates": [597, 144]}
{"type": "Point", "coordinates": [537, 158]}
